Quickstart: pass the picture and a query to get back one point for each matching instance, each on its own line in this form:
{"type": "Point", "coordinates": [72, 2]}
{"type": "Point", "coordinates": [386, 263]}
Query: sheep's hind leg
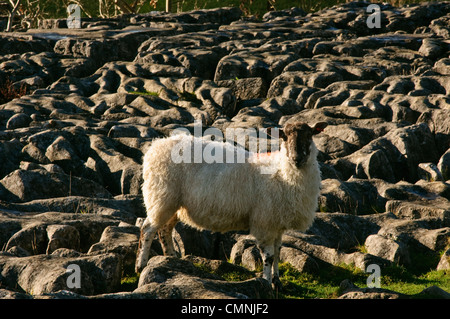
{"type": "Point", "coordinates": [148, 232]}
{"type": "Point", "coordinates": [165, 236]}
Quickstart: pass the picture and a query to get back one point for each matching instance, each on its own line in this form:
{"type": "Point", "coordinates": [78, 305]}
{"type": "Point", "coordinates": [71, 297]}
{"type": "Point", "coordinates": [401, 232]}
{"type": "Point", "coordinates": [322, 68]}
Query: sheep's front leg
{"type": "Point", "coordinates": [270, 256]}
{"type": "Point", "coordinates": [148, 231]}
{"type": "Point", "coordinates": [276, 283]}
{"type": "Point", "coordinates": [267, 254]}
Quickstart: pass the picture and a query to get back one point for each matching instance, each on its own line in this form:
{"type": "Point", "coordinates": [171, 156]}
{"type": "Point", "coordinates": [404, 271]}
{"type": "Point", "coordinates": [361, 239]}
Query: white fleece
{"type": "Point", "coordinates": [230, 196]}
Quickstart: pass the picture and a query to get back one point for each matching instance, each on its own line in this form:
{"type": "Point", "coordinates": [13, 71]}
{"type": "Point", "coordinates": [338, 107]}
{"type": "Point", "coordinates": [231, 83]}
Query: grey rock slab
{"type": "Point", "coordinates": [350, 291]}
{"type": "Point", "coordinates": [42, 274]}
{"type": "Point", "coordinates": [444, 262]}
{"type": "Point", "coordinates": [444, 165]}
{"type": "Point", "coordinates": [169, 277]}
{"type": "Point", "coordinates": [442, 66]}
{"type": "Point", "coordinates": [246, 64]}
{"type": "Point", "coordinates": [121, 240]}
{"type": "Point", "coordinates": [62, 236]}
{"type": "Point", "coordinates": [299, 260]}
{"type": "Point", "coordinates": [246, 88]}
{"type": "Point", "coordinates": [387, 249]}
{"type": "Point", "coordinates": [432, 48]}
{"type": "Point", "coordinates": [28, 185]}
{"type": "Point", "coordinates": [417, 209]}
{"type": "Point", "coordinates": [404, 148]}
{"type": "Point", "coordinates": [33, 231]}
{"type": "Point", "coordinates": [18, 120]}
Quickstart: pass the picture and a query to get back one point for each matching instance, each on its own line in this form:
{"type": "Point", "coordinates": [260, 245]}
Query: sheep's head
{"type": "Point", "coordinates": [298, 140]}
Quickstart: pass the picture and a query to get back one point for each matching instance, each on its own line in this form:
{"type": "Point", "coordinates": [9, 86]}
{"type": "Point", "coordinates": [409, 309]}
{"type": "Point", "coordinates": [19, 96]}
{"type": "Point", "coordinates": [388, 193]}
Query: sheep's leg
{"type": "Point", "coordinates": [165, 236]}
{"type": "Point", "coordinates": [267, 253]}
{"type": "Point", "coordinates": [276, 283]}
{"type": "Point", "coordinates": [148, 232]}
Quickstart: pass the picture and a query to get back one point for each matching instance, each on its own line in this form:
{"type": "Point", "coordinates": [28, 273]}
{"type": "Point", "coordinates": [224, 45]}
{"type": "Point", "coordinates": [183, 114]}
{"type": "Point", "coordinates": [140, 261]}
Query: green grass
{"type": "Point", "coordinates": [325, 283]}
{"type": "Point", "coordinates": [144, 93]}
{"type": "Point", "coordinates": [235, 275]}
{"type": "Point", "coordinates": [129, 282]}
{"type": "Point", "coordinates": [399, 279]}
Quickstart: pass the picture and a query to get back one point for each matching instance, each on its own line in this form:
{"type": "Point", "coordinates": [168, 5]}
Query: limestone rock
{"type": "Point", "coordinates": [444, 165]}
{"type": "Point", "coordinates": [168, 277]}
{"type": "Point", "coordinates": [122, 241]}
{"type": "Point", "coordinates": [18, 121]}
{"type": "Point", "coordinates": [350, 291]}
{"type": "Point", "coordinates": [45, 274]}
{"type": "Point", "coordinates": [62, 236]}
{"type": "Point", "coordinates": [444, 262]}
{"type": "Point", "coordinates": [387, 248]}
{"type": "Point", "coordinates": [28, 185]}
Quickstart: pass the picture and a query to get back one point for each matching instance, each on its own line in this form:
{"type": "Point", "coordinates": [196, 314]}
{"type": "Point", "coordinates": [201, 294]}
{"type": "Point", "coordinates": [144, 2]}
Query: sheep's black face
{"type": "Point", "coordinates": [298, 138]}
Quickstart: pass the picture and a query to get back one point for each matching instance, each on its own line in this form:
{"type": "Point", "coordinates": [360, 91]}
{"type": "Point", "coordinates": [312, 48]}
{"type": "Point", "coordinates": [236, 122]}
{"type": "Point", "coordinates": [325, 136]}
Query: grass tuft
{"type": "Point", "coordinates": [129, 282]}
{"type": "Point", "coordinates": [145, 93]}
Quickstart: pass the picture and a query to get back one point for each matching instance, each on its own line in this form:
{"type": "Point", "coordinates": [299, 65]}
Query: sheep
{"type": "Point", "coordinates": [232, 196]}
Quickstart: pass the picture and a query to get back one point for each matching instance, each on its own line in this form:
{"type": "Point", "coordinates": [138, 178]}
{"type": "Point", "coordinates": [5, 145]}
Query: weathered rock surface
{"type": "Point", "coordinates": [71, 148]}
{"type": "Point", "coordinates": [169, 277]}
{"type": "Point", "coordinates": [351, 291]}
{"type": "Point", "coordinates": [48, 273]}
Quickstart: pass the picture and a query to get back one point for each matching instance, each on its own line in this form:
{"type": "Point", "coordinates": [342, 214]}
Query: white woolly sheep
{"type": "Point", "coordinates": [232, 196]}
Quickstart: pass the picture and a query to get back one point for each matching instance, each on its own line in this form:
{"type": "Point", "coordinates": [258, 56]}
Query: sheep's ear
{"type": "Point", "coordinates": [319, 127]}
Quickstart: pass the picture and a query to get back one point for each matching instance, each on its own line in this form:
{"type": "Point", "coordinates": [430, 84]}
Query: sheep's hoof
{"type": "Point", "coordinates": [276, 284]}
{"type": "Point", "coordinates": [138, 270]}
{"type": "Point", "coordinates": [139, 267]}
